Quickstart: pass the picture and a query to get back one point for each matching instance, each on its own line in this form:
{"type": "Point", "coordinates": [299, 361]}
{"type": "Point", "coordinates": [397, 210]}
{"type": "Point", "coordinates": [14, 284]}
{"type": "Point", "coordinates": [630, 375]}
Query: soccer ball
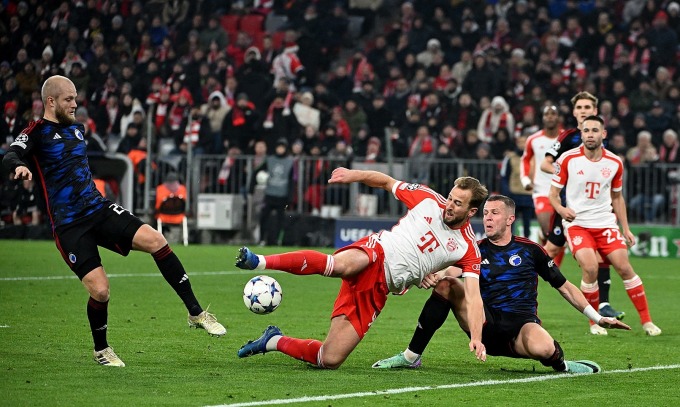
{"type": "Point", "coordinates": [262, 294]}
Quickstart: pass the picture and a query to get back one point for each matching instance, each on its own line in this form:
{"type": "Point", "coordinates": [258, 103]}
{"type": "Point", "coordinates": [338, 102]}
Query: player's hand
{"type": "Point", "coordinates": [23, 173]}
{"type": "Point", "coordinates": [430, 281]}
{"type": "Point", "coordinates": [606, 322]}
{"type": "Point", "coordinates": [479, 349]}
{"type": "Point", "coordinates": [340, 175]}
{"type": "Point", "coordinates": [630, 238]}
{"type": "Point", "coordinates": [568, 214]}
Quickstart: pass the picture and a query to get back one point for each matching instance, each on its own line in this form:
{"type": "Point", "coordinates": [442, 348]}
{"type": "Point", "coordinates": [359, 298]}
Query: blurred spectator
{"type": "Point", "coordinates": [668, 153]}
{"type": "Point", "coordinates": [305, 113]}
{"type": "Point", "coordinates": [95, 144]}
{"type": "Point", "coordinates": [642, 98]}
{"type": "Point", "coordinates": [214, 32]}
{"type": "Point", "coordinates": [663, 40]}
{"type": "Point", "coordinates": [239, 128]}
{"type": "Point", "coordinates": [214, 111]}
{"type": "Point", "coordinates": [288, 65]}
{"type": "Point", "coordinates": [420, 155]}
{"type": "Point", "coordinates": [27, 210]}
{"type": "Point", "coordinates": [648, 192]}
{"type": "Point", "coordinates": [11, 125]}
{"type": "Point", "coordinates": [496, 117]}
{"type": "Point", "coordinates": [643, 151]}
{"type": "Point", "coordinates": [482, 80]}
{"type": "Point", "coordinates": [433, 49]}
{"type": "Point", "coordinates": [657, 121]}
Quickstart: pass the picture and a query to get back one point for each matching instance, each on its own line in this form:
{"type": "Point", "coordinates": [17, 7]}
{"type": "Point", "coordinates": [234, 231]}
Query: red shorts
{"type": "Point", "coordinates": [542, 205]}
{"type": "Point", "coordinates": [362, 297]}
{"type": "Point", "coordinates": [602, 240]}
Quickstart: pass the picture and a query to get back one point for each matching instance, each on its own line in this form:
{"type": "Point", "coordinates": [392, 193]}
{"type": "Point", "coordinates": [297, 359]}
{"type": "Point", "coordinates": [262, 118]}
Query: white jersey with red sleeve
{"type": "Point", "coordinates": [534, 152]}
{"type": "Point", "coordinates": [421, 243]}
{"type": "Point", "coordinates": [589, 185]}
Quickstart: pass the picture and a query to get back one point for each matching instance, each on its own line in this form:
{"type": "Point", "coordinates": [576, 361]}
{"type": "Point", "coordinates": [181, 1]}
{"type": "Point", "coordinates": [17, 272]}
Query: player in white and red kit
{"type": "Point", "coordinates": [435, 233]}
{"type": "Point", "coordinates": [531, 176]}
{"type": "Point", "coordinates": [593, 178]}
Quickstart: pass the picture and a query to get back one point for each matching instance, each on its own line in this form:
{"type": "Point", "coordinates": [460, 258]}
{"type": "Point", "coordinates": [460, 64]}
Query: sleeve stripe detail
{"type": "Point", "coordinates": [472, 238]}
{"type": "Point", "coordinates": [472, 275]}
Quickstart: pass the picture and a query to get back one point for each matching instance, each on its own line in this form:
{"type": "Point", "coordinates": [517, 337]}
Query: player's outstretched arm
{"type": "Point", "coordinates": [475, 310]}
{"type": "Point", "coordinates": [374, 179]}
{"type": "Point", "coordinates": [575, 297]}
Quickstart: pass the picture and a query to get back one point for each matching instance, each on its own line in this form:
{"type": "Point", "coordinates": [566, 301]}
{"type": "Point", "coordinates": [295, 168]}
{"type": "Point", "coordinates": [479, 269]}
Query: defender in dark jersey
{"type": "Point", "coordinates": [53, 148]}
{"type": "Point", "coordinates": [585, 104]}
{"type": "Point", "coordinates": [508, 284]}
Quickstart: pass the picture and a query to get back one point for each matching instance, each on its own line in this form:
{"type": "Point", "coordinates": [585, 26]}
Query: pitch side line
{"type": "Point", "coordinates": [440, 387]}
{"type": "Point", "coordinates": [157, 274]}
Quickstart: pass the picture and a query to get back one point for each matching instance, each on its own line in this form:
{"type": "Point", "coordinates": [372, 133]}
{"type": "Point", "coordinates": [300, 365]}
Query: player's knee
{"type": "Point", "coordinates": [543, 350]}
{"type": "Point", "coordinates": [332, 362]}
{"type": "Point", "coordinates": [100, 293]}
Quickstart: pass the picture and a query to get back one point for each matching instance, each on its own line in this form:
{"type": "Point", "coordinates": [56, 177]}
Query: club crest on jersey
{"type": "Point", "coordinates": [515, 260]}
{"type": "Point", "coordinates": [557, 231]}
{"type": "Point", "coordinates": [577, 240]}
{"type": "Point", "coordinates": [79, 135]}
{"type": "Point", "coordinates": [606, 172]}
{"type": "Point", "coordinates": [452, 245]}
{"type": "Point", "coordinates": [558, 168]}
{"type": "Point", "coordinates": [72, 258]}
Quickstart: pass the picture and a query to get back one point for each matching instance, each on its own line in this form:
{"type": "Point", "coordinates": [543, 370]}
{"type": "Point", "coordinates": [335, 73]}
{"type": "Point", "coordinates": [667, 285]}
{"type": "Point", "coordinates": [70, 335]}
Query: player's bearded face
{"type": "Point", "coordinates": [453, 217]}
{"type": "Point", "coordinates": [64, 115]}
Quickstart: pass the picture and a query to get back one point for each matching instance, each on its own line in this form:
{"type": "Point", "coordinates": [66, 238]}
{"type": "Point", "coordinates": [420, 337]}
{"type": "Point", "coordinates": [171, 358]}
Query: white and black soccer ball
{"type": "Point", "coordinates": [262, 294]}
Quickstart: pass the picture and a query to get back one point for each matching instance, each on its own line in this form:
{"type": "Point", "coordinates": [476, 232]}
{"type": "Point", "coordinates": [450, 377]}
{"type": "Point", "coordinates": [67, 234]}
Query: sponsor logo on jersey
{"type": "Point", "coordinates": [79, 135]}
{"type": "Point", "coordinates": [577, 240]}
{"type": "Point", "coordinates": [551, 263]}
{"type": "Point", "coordinates": [558, 168]}
{"type": "Point", "coordinates": [56, 136]}
{"type": "Point", "coordinates": [580, 172]}
{"type": "Point", "coordinates": [477, 267]}
{"type": "Point", "coordinates": [485, 261]}
{"type": "Point", "coordinates": [412, 187]}
{"type": "Point", "coordinates": [606, 172]}
{"type": "Point", "coordinates": [452, 245]}
{"type": "Point", "coordinates": [72, 258]}
{"type": "Point", "coordinates": [515, 260]}
{"type": "Point", "coordinates": [428, 219]}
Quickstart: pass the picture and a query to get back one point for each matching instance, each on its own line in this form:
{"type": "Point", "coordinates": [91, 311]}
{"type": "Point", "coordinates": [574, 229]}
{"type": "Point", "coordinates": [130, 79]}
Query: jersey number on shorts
{"type": "Point", "coordinates": [612, 235]}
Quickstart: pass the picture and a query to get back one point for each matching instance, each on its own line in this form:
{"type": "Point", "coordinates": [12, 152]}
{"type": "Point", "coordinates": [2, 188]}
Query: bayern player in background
{"type": "Point", "coordinates": [434, 233]}
{"type": "Point", "coordinates": [532, 178]}
{"type": "Point", "coordinates": [584, 105]}
{"type": "Point", "coordinates": [593, 179]}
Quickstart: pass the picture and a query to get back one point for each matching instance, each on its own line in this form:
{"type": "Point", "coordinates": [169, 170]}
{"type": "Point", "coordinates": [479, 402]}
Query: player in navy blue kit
{"type": "Point", "coordinates": [53, 148]}
{"type": "Point", "coordinates": [584, 105]}
{"type": "Point", "coordinates": [508, 283]}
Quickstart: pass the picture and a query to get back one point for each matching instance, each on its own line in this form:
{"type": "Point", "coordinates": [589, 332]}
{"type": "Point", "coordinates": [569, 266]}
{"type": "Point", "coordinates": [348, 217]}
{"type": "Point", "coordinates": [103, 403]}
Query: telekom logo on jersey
{"type": "Point", "coordinates": [430, 243]}
{"type": "Point", "coordinates": [592, 189]}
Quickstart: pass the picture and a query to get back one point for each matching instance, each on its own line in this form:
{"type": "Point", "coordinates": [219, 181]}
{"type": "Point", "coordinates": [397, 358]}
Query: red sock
{"type": "Point", "coordinates": [302, 349]}
{"type": "Point", "coordinates": [302, 262]}
{"type": "Point", "coordinates": [558, 259]}
{"type": "Point", "coordinates": [636, 293]}
{"type": "Point", "coordinates": [592, 294]}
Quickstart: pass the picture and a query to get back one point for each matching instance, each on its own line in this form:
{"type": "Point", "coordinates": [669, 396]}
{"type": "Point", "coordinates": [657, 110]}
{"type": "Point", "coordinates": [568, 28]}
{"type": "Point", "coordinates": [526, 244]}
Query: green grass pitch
{"type": "Point", "coordinates": [46, 355]}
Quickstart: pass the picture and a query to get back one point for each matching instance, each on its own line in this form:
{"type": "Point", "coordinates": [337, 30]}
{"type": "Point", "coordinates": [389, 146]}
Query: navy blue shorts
{"type": "Point", "coordinates": [556, 234]}
{"type": "Point", "coordinates": [111, 227]}
{"type": "Point", "coordinates": [501, 329]}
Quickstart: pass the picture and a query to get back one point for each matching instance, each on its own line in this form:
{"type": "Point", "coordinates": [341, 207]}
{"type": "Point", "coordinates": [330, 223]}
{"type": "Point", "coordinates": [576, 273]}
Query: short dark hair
{"type": "Point", "coordinates": [595, 118]}
{"type": "Point", "coordinates": [479, 191]}
{"type": "Point", "coordinates": [509, 203]}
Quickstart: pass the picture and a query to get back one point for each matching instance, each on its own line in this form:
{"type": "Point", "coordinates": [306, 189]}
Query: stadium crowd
{"type": "Point", "coordinates": [449, 78]}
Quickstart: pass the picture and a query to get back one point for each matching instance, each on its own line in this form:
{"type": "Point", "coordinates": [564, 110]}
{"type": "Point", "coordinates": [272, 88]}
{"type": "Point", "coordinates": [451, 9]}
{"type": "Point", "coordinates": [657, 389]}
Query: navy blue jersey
{"type": "Point", "coordinates": [509, 274]}
{"type": "Point", "coordinates": [56, 154]}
